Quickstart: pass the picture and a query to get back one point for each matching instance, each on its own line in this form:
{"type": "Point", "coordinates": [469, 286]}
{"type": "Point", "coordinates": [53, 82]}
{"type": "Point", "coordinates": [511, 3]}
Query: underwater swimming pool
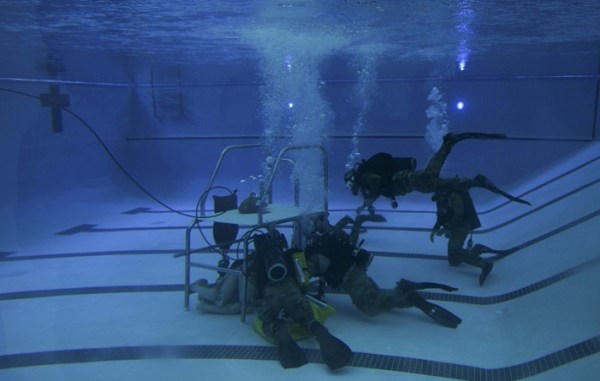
{"type": "Point", "coordinates": [115, 116]}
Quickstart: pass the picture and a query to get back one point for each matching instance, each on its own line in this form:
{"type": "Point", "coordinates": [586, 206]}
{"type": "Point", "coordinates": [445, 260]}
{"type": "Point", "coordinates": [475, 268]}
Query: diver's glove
{"type": "Point", "coordinates": [407, 286]}
{"type": "Point", "coordinates": [439, 232]}
{"type": "Point", "coordinates": [438, 313]}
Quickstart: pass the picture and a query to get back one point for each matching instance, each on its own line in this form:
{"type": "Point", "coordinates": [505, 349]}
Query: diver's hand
{"type": "Point", "coordinates": [439, 232]}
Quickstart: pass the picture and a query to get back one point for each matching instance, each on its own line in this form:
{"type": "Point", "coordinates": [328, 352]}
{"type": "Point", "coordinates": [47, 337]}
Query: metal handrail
{"type": "Point", "coordinates": [264, 194]}
{"type": "Point", "coordinates": [216, 170]}
{"type": "Point", "coordinates": [269, 183]}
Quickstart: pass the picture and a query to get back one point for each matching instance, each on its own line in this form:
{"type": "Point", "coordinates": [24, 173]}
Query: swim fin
{"type": "Point", "coordinates": [406, 286]}
{"type": "Point", "coordinates": [290, 354]}
{"type": "Point", "coordinates": [441, 315]}
{"type": "Point", "coordinates": [479, 249]}
{"type": "Point", "coordinates": [335, 352]}
{"type": "Point", "coordinates": [485, 271]}
{"type": "Point", "coordinates": [484, 182]}
{"type": "Point", "coordinates": [369, 217]}
{"type": "Point", "coordinates": [455, 138]}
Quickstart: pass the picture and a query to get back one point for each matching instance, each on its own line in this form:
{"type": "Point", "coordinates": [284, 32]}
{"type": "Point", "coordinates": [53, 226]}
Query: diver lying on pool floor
{"type": "Point", "coordinates": [335, 256]}
{"type": "Point", "coordinates": [280, 279]}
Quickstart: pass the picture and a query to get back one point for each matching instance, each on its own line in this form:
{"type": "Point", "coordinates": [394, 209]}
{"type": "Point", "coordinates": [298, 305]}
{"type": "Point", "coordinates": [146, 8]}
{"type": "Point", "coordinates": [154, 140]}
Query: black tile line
{"type": "Point", "coordinates": [545, 205]}
{"type": "Point", "coordinates": [90, 228]}
{"type": "Point", "coordinates": [90, 254]}
{"type": "Point", "coordinates": [500, 225]}
{"type": "Point", "coordinates": [559, 230]}
{"type": "Point", "coordinates": [137, 210]}
{"type": "Point", "coordinates": [76, 229]}
{"type": "Point", "coordinates": [502, 204]}
{"type": "Point", "coordinates": [92, 290]}
{"type": "Point", "coordinates": [540, 186]}
{"type": "Point", "coordinates": [564, 174]}
{"type": "Point", "coordinates": [377, 253]}
{"type": "Point", "coordinates": [391, 254]}
{"type": "Point", "coordinates": [447, 297]}
{"type": "Point", "coordinates": [518, 247]}
{"type": "Point", "coordinates": [400, 364]}
{"type": "Point", "coordinates": [482, 300]}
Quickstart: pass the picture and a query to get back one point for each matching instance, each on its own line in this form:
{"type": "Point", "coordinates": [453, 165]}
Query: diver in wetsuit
{"type": "Point", "coordinates": [282, 302]}
{"type": "Point", "coordinates": [336, 256]}
{"type": "Point", "coordinates": [456, 220]}
{"type": "Point", "coordinates": [388, 176]}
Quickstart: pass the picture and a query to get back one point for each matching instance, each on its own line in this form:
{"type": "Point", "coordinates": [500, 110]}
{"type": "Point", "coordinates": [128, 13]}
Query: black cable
{"type": "Point", "coordinates": [203, 196]}
{"type": "Point", "coordinates": [106, 150]}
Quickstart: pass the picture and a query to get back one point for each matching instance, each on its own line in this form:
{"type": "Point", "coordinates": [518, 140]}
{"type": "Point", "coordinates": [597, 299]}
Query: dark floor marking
{"type": "Point", "coordinates": [137, 210]}
{"type": "Point", "coordinates": [89, 291]}
{"type": "Point", "coordinates": [507, 202]}
{"type": "Point", "coordinates": [518, 247]}
{"type": "Point", "coordinates": [77, 229]}
{"type": "Point", "coordinates": [4, 254]}
{"type": "Point", "coordinates": [392, 363]}
{"type": "Point", "coordinates": [500, 205]}
{"type": "Point", "coordinates": [91, 254]}
{"type": "Point", "coordinates": [553, 201]}
{"type": "Point", "coordinates": [561, 229]}
{"type": "Point", "coordinates": [86, 228]}
{"type": "Point", "coordinates": [428, 295]}
{"type": "Point", "coordinates": [409, 255]}
{"type": "Point", "coordinates": [516, 293]}
{"type": "Point", "coordinates": [495, 227]}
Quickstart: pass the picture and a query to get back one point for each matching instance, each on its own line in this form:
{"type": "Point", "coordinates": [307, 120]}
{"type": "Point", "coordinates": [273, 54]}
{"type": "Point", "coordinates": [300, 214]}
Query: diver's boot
{"type": "Point", "coordinates": [290, 354]}
{"type": "Point", "coordinates": [485, 271]}
{"type": "Point", "coordinates": [335, 352]}
{"type": "Point", "coordinates": [483, 182]}
{"type": "Point", "coordinates": [438, 313]}
{"type": "Point", "coordinates": [485, 265]}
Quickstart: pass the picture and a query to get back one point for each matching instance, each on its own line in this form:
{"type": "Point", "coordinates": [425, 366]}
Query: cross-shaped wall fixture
{"type": "Point", "coordinates": [55, 100]}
